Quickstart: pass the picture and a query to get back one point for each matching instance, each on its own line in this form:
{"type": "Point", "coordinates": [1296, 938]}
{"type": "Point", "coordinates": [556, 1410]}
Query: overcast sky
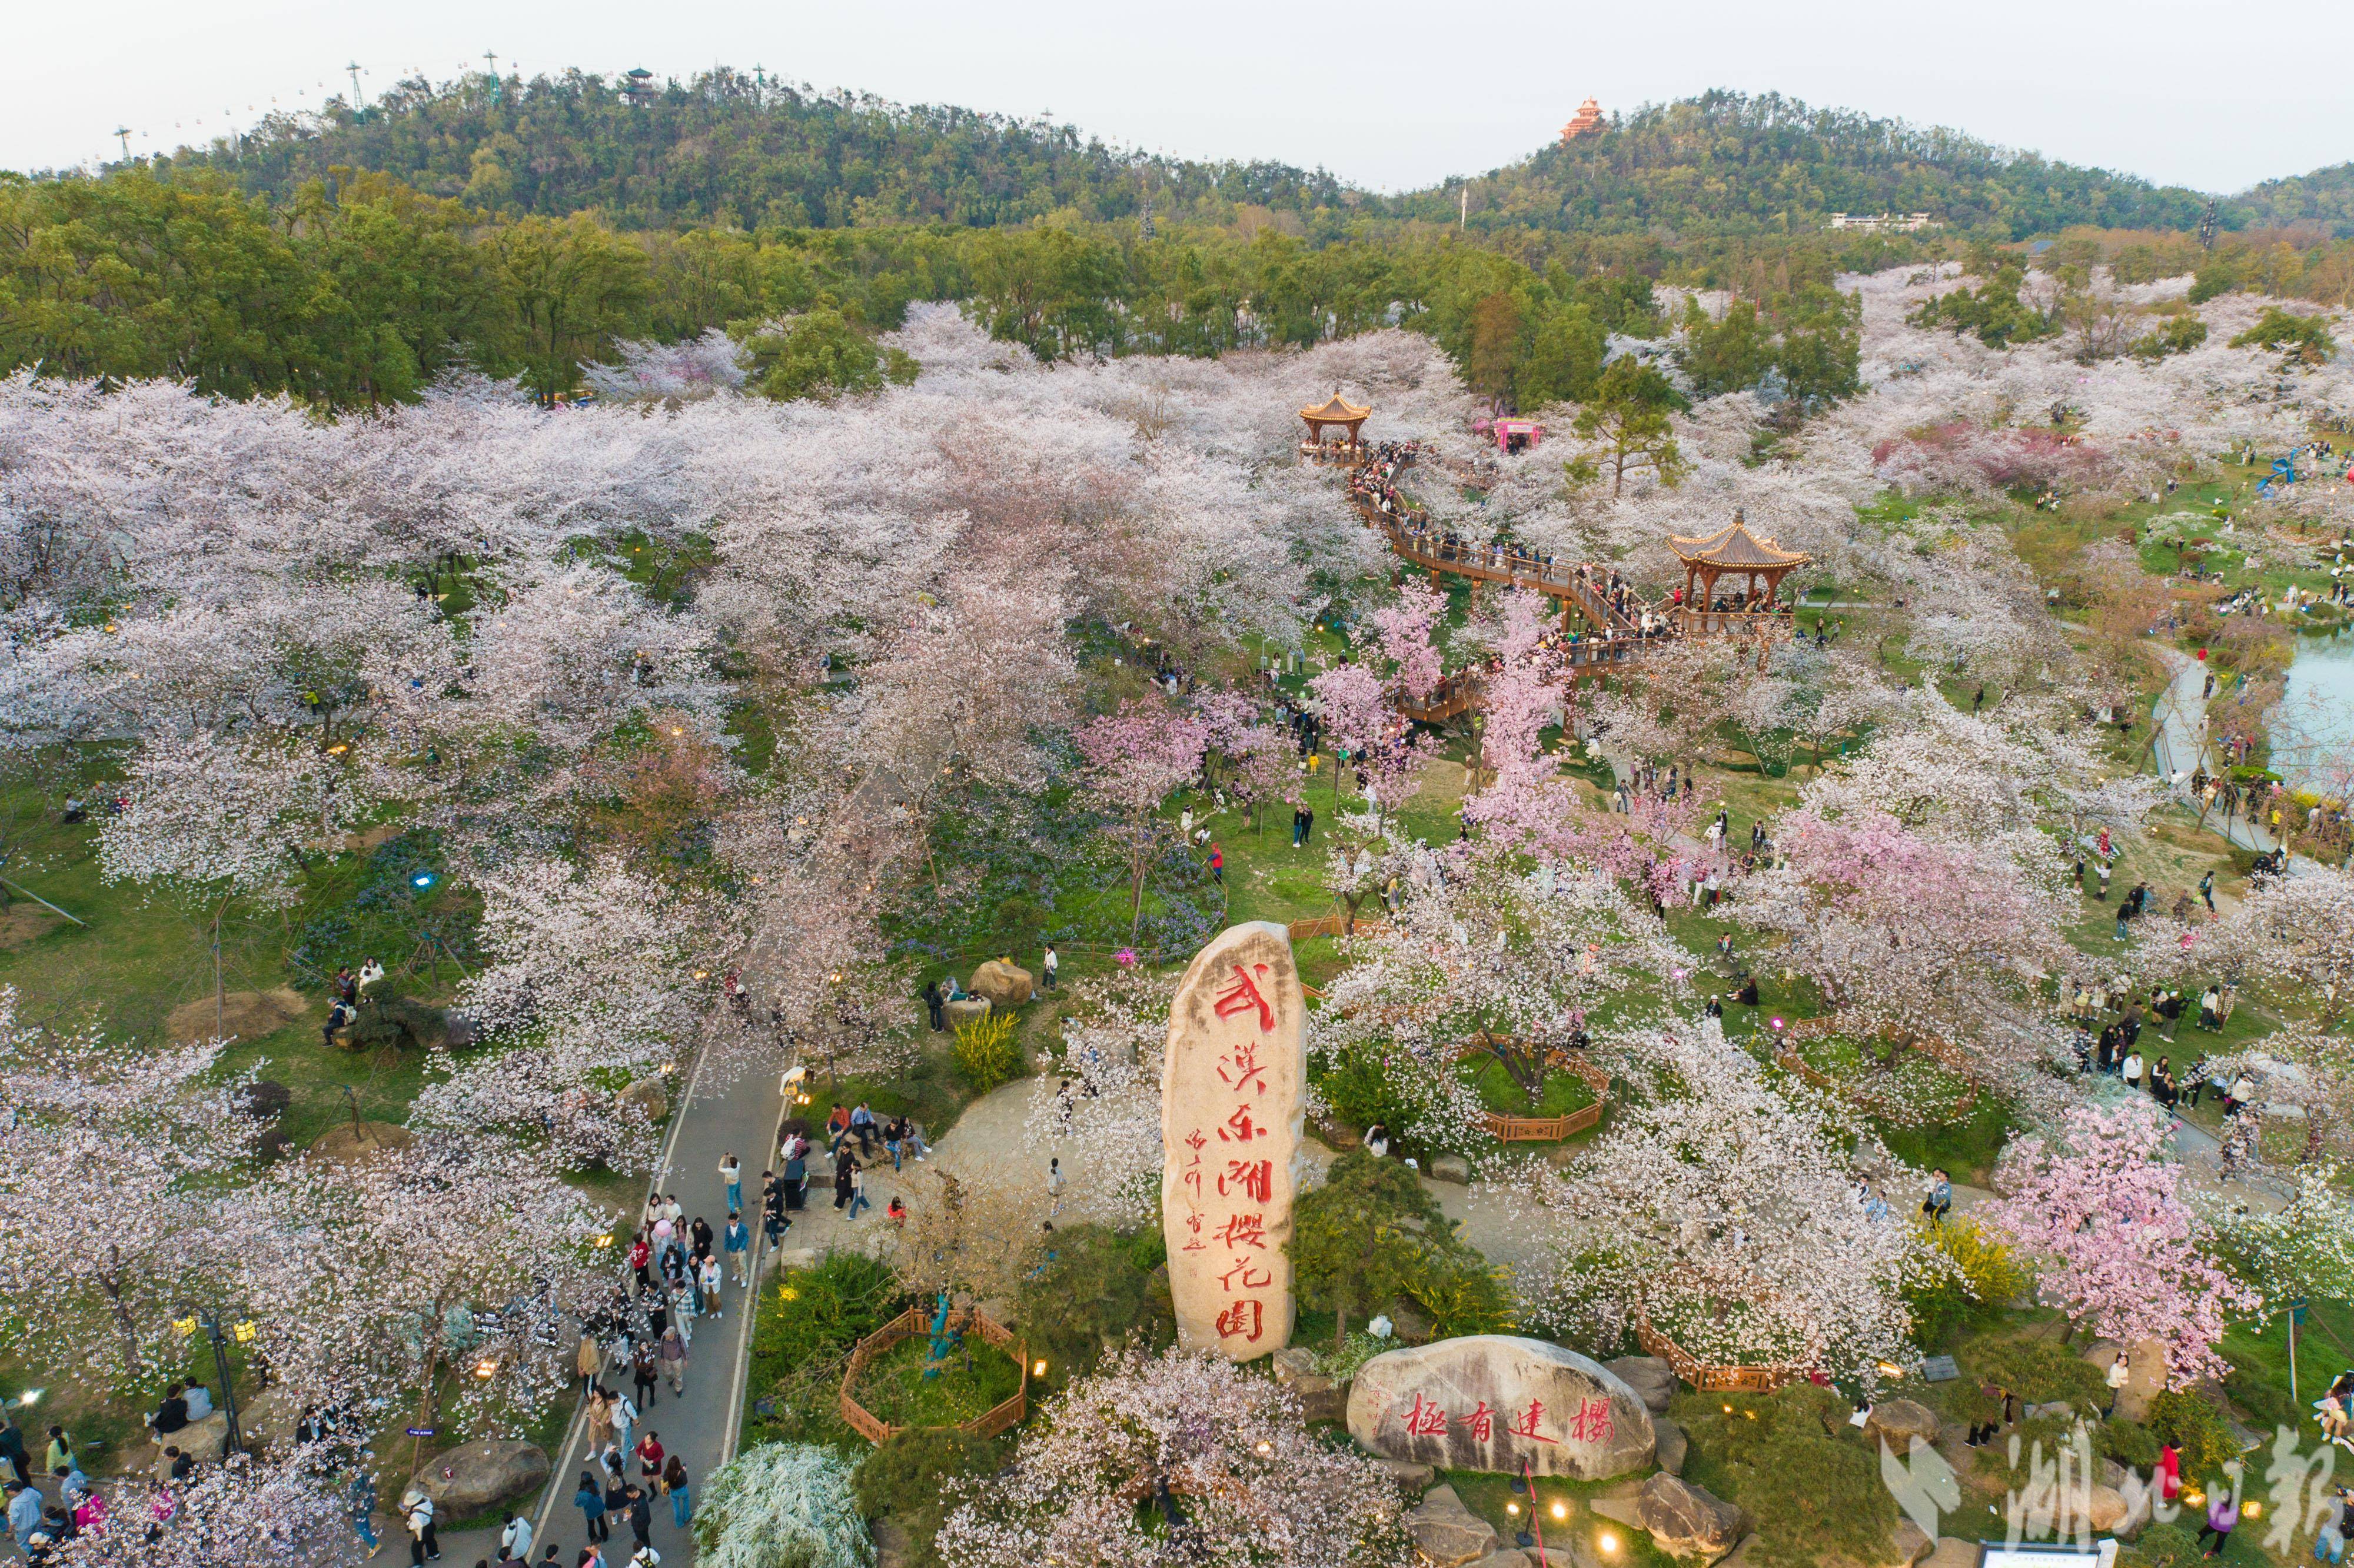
{"type": "Point", "coordinates": [1383, 94]}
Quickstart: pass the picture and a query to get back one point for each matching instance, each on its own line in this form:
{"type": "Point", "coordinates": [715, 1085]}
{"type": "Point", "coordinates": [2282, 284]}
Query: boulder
{"type": "Point", "coordinates": [1320, 1398]}
{"type": "Point", "coordinates": [1451, 1168]}
{"type": "Point", "coordinates": [1953, 1551]}
{"type": "Point", "coordinates": [1005, 984]}
{"type": "Point", "coordinates": [1447, 1534]}
{"type": "Point", "coordinates": [1509, 1557]}
{"type": "Point", "coordinates": [1908, 1546]}
{"type": "Point", "coordinates": [1413, 1477]}
{"type": "Point", "coordinates": [2106, 1509]}
{"type": "Point", "coordinates": [1649, 1376]}
{"type": "Point", "coordinates": [649, 1096]}
{"type": "Point", "coordinates": [1493, 1402]}
{"type": "Point", "coordinates": [2144, 1378]}
{"type": "Point", "coordinates": [460, 1029]}
{"type": "Point", "coordinates": [1622, 1503]}
{"type": "Point", "coordinates": [199, 1440]}
{"type": "Point", "coordinates": [345, 1141]}
{"type": "Point", "coordinates": [1897, 1422]}
{"type": "Point", "coordinates": [478, 1476]}
{"type": "Point", "coordinates": [1686, 1521]}
{"type": "Point", "coordinates": [967, 1010]}
{"type": "Point", "coordinates": [1673, 1445]}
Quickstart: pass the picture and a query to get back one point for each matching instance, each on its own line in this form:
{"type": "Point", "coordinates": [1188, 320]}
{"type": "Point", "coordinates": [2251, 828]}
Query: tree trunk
{"type": "Point", "coordinates": [220, 1004]}
{"type": "Point", "coordinates": [109, 1281]}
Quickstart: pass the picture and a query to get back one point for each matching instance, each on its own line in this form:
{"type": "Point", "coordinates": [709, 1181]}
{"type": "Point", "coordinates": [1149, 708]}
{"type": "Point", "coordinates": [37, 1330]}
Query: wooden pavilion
{"type": "Point", "coordinates": [1336, 410]}
{"type": "Point", "coordinates": [1732, 551]}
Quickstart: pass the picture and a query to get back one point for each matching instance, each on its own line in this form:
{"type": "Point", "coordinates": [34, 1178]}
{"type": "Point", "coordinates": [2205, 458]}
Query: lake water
{"type": "Point", "coordinates": [2319, 706]}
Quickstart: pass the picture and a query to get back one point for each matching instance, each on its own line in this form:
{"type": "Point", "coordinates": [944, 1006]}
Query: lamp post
{"type": "Point", "coordinates": [233, 1441]}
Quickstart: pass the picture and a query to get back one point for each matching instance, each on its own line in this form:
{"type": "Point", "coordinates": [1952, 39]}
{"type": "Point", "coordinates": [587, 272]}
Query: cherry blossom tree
{"type": "Point", "coordinates": [245, 1512]}
{"type": "Point", "coordinates": [1136, 760]}
{"type": "Point", "coordinates": [2123, 1255]}
{"type": "Point", "coordinates": [1106, 1128]}
{"type": "Point", "coordinates": [1240, 1479]}
{"type": "Point", "coordinates": [452, 1271]}
{"type": "Point", "coordinates": [2294, 931]}
{"type": "Point", "coordinates": [1729, 1217]}
{"type": "Point", "coordinates": [113, 1160]}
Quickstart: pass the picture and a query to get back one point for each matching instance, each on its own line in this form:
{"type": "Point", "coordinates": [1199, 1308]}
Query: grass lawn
{"type": "Point", "coordinates": [1564, 1092]}
{"type": "Point", "coordinates": [976, 1378]}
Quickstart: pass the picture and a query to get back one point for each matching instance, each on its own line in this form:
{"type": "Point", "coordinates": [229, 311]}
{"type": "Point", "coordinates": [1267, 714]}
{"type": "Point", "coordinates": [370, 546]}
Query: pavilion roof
{"type": "Point", "coordinates": [1735, 547]}
{"type": "Point", "coordinates": [1335, 411]}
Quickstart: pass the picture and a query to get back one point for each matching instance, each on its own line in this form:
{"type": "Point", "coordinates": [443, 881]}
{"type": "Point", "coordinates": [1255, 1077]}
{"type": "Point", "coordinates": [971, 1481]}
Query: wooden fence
{"type": "Point", "coordinates": [915, 1321]}
{"type": "Point", "coordinates": [1334, 925]}
{"type": "Point", "coordinates": [1712, 1379]}
{"type": "Point", "coordinates": [1550, 1128]}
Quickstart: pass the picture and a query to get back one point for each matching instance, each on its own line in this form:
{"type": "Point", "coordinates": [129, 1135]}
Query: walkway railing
{"type": "Point", "coordinates": [1712, 1379]}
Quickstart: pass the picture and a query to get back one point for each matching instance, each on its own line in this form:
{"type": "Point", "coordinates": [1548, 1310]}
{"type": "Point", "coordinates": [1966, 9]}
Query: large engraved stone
{"type": "Point", "coordinates": [1487, 1401]}
{"type": "Point", "coordinates": [1232, 1103]}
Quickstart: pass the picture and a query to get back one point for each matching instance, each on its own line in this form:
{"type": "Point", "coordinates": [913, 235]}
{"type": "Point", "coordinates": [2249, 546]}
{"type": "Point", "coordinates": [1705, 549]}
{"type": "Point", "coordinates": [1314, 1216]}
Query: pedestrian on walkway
{"type": "Point", "coordinates": [935, 1006]}
{"type": "Point", "coordinates": [673, 1360]}
{"type": "Point", "coordinates": [417, 1508]}
{"type": "Point", "coordinates": [1055, 1185]}
{"type": "Point", "coordinates": [591, 1356]}
{"type": "Point", "coordinates": [731, 1177]}
{"type": "Point", "coordinates": [737, 1242]}
{"type": "Point", "coordinates": [858, 1198]}
{"type": "Point", "coordinates": [645, 1372]}
{"type": "Point", "coordinates": [641, 1511]}
{"type": "Point", "coordinates": [843, 1161]}
{"type": "Point", "coordinates": [514, 1537]}
{"type": "Point", "coordinates": [2207, 890]}
{"type": "Point", "coordinates": [1050, 966]}
{"type": "Point", "coordinates": [709, 1286]}
{"type": "Point", "coordinates": [1940, 1201]}
{"type": "Point", "coordinates": [591, 1500]}
{"type": "Point", "coordinates": [681, 1501]}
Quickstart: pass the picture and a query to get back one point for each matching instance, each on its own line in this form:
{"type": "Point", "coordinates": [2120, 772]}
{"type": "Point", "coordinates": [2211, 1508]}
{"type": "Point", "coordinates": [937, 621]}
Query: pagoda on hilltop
{"type": "Point", "coordinates": [1588, 118]}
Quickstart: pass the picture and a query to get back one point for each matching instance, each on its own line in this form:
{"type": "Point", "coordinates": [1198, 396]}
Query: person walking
{"type": "Point", "coordinates": [1055, 1185]}
{"type": "Point", "coordinates": [645, 1372]}
{"type": "Point", "coordinates": [737, 1242]}
{"type": "Point", "coordinates": [935, 1006]}
{"type": "Point", "coordinates": [682, 1500]}
{"type": "Point", "coordinates": [641, 1517]}
{"type": "Point", "coordinates": [591, 1500]}
{"type": "Point", "coordinates": [858, 1199]}
{"type": "Point", "coordinates": [2223, 1518]}
{"type": "Point", "coordinates": [1052, 964]}
{"type": "Point", "coordinates": [1940, 1201]}
{"type": "Point", "coordinates": [731, 1176]}
{"type": "Point", "coordinates": [2207, 890]}
{"type": "Point", "coordinates": [673, 1360]}
{"type": "Point", "coordinates": [2116, 1379]}
{"type": "Point", "coordinates": [1217, 864]}
{"type": "Point", "coordinates": [424, 1545]}
{"type": "Point", "coordinates": [514, 1537]}
{"type": "Point", "coordinates": [843, 1161]}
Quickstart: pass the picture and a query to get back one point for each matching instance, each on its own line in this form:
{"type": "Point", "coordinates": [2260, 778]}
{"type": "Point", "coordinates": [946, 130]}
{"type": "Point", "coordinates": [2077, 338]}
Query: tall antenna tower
{"type": "Point", "coordinates": [124, 133]}
{"type": "Point", "coordinates": [354, 68]}
{"type": "Point", "coordinates": [2207, 227]}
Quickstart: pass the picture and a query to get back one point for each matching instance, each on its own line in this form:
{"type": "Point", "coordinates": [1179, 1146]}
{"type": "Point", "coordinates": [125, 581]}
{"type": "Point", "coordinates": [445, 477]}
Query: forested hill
{"type": "Point", "coordinates": [727, 147]}
{"type": "Point", "coordinates": [2323, 199]}
{"type": "Point", "coordinates": [730, 148]}
{"type": "Point", "coordinates": [1727, 163]}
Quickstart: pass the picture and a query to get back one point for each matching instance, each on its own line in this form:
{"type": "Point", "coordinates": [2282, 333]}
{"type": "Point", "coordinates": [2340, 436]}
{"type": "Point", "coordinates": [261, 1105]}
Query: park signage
{"type": "Point", "coordinates": [1233, 1098]}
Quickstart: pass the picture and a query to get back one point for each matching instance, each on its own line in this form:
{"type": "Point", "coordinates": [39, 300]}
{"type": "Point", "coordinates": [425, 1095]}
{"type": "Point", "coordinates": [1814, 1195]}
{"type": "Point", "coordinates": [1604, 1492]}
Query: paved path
{"type": "Point", "coordinates": [2180, 714]}
{"type": "Point", "coordinates": [717, 1114]}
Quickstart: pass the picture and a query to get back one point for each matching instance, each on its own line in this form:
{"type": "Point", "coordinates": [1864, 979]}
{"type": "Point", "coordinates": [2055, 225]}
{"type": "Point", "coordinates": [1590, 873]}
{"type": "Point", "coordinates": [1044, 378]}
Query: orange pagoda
{"type": "Point", "coordinates": [1588, 118]}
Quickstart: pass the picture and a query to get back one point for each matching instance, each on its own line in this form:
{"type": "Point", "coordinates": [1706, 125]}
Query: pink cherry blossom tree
{"type": "Point", "coordinates": [245, 1512]}
{"type": "Point", "coordinates": [1246, 1480]}
{"type": "Point", "coordinates": [452, 1271]}
{"type": "Point", "coordinates": [113, 1160]}
{"type": "Point", "coordinates": [2122, 1255]}
{"type": "Point", "coordinates": [1136, 758]}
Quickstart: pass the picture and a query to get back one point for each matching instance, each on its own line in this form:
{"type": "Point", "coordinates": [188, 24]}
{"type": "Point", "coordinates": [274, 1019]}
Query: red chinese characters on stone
{"type": "Point", "coordinates": [1245, 1320]}
{"type": "Point", "coordinates": [1241, 1070]}
{"type": "Point", "coordinates": [1240, 1129]}
{"type": "Point", "coordinates": [1481, 1423]}
{"type": "Point", "coordinates": [1253, 1179]}
{"type": "Point", "coordinates": [1244, 1230]}
{"type": "Point", "coordinates": [1525, 1424]}
{"type": "Point", "coordinates": [1193, 1226]}
{"type": "Point", "coordinates": [1425, 1420]}
{"type": "Point", "coordinates": [1244, 995]}
{"type": "Point", "coordinates": [1253, 1277]}
{"type": "Point", "coordinates": [1592, 1422]}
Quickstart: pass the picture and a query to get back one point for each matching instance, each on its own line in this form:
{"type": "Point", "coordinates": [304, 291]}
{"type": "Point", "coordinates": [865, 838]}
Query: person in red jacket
{"type": "Point", "coordinates": [1218, 863]}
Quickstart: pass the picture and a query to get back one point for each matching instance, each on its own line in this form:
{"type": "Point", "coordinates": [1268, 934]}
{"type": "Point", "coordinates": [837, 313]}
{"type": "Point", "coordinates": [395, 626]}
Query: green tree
{"type": "Point", "coordinates": [577, 289]}
{"type": "Point", "coordinates": [1627, 427]}
{"type": "Point", "coordinates": [1727, 354]}
{"type": "Point", "coordinates": [1821, 352]}
{"type": "Point", "coordinates": [1365, 1237]}
{"type": "Point", "coordinates": [818, 354]}
{"type": "Point", "coordinates": [1496, 335]}
{"type": "Point", "coordinates": [1564, 361]}
{"type": "Point", "coordinates": [2305, 337]}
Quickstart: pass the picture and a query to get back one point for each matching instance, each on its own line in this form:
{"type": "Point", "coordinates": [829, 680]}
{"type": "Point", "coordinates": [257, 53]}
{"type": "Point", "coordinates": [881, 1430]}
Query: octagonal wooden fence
{"type": "Point", "coordinates": [917, 1321]}
{"type": "Point", "coordinates": [1712, 1379]}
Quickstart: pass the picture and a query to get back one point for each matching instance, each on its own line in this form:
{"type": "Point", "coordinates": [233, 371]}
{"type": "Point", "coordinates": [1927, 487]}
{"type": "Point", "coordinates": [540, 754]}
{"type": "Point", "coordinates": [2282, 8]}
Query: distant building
{"type": "Point", "coordinates": [638, 85]}
{"type": "Point", "coordinates": [1588, 118]}
{"type": "Point", "coordinates": [1883, 222]}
